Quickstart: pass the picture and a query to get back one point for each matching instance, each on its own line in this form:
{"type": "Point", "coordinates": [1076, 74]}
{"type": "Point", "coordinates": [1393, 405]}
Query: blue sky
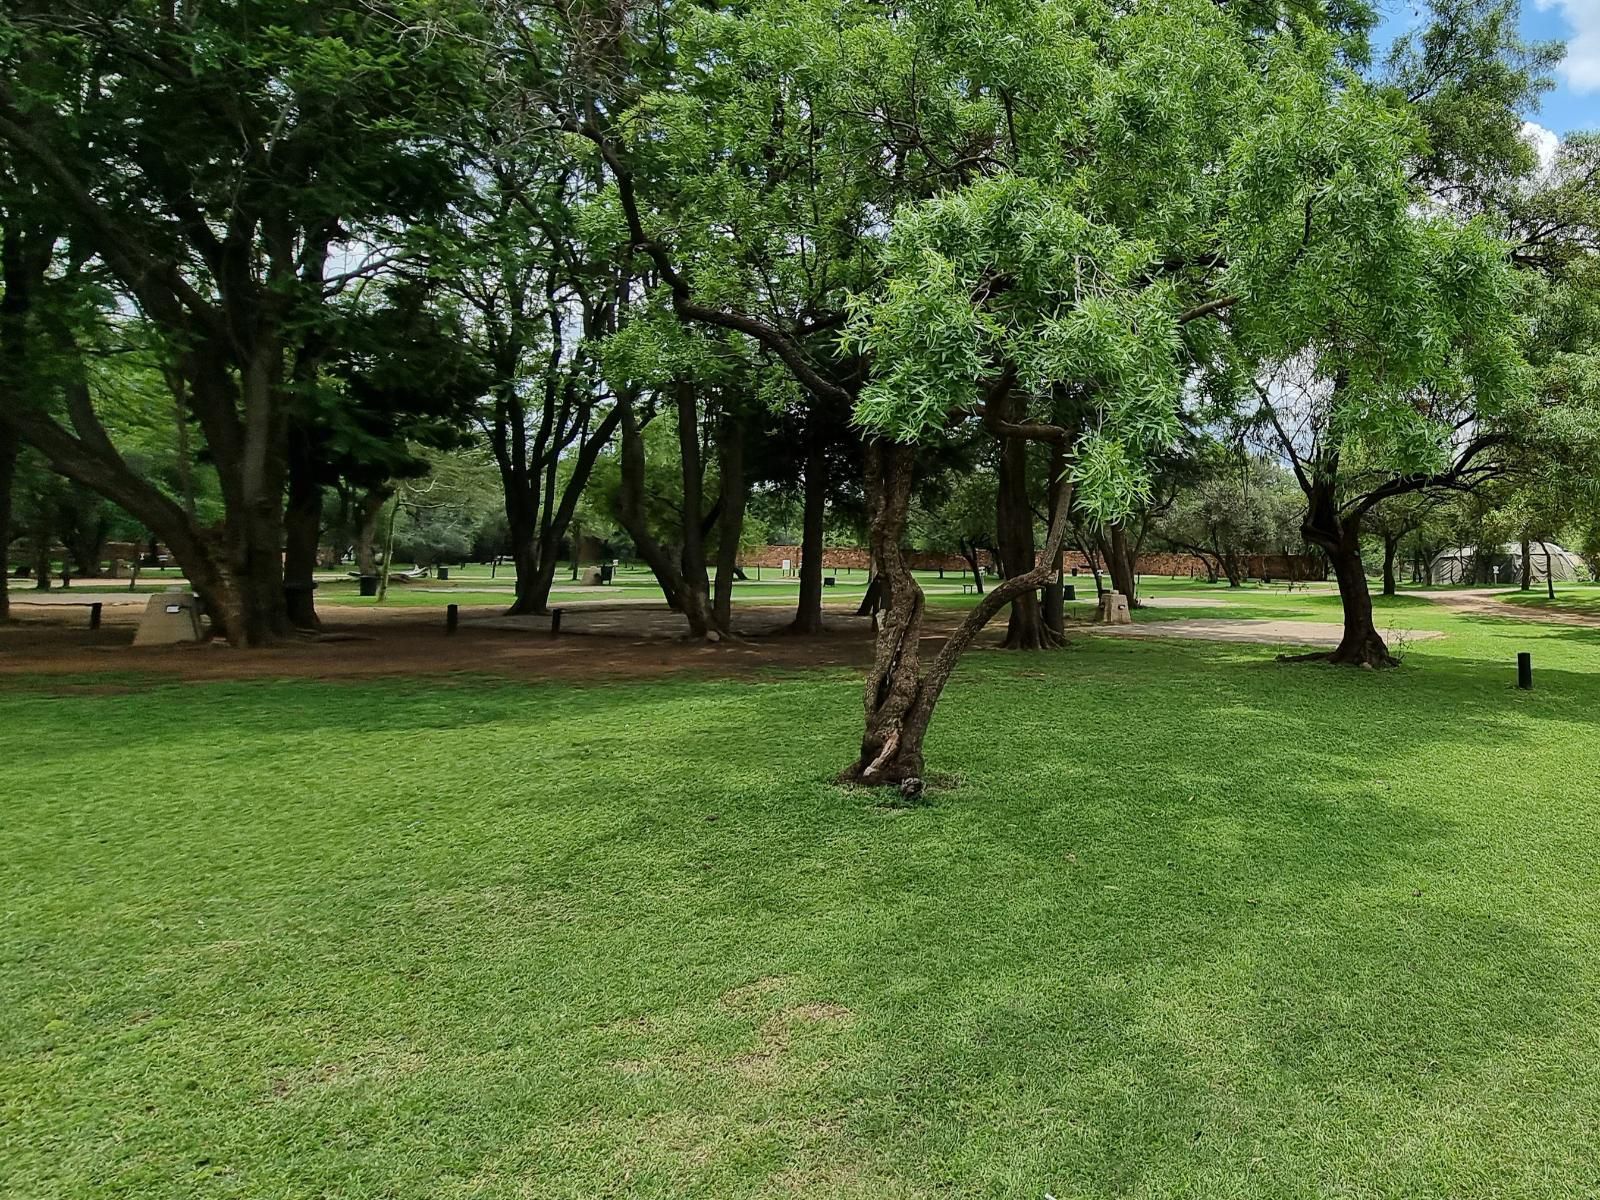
{"type": "Point", "coordinates": [1575, 103]}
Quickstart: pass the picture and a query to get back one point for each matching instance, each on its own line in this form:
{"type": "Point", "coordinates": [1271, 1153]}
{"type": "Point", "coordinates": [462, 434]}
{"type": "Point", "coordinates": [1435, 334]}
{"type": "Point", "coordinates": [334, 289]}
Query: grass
{"type": "Point", "coordinates": [1194, 924]}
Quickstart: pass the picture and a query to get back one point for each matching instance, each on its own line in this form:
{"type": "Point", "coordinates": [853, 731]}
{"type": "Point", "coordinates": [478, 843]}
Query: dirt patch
{"type": "Point", "coordinates": [55, 641]}
{"type": "Point", "coordinates": [773, 1061]}
{"type": "Point", "coordinates": [1233, 629]}
{"type": "Point", "coordinates": [817, 1013]}
{"type": "Point", "coordinates": [1493, 603]}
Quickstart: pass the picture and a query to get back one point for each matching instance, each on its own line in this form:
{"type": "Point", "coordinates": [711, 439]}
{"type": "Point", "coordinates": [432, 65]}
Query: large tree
{"type": "Point", "coordinates": [225, 169]}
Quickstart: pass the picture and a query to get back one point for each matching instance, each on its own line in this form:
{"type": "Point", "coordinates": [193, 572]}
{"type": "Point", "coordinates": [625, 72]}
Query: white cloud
{"type": "Point", "coordinates": [1545, 144]}
{"type": "Point", "coordinates": [1582, 64]}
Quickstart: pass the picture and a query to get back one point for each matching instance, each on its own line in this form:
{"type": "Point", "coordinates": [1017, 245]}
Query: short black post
{"type": "Point", "coordinates": [1525, 671]}
{"type": "Point", "coordinates": [452, 617]}
{"type": "Point", "coordinates": [555, 621]}
{"type": "Point", "coordinates": [94, 615]}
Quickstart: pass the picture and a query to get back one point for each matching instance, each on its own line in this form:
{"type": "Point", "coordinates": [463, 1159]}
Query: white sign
{"type": "Point", "coordinates": [786, 564]}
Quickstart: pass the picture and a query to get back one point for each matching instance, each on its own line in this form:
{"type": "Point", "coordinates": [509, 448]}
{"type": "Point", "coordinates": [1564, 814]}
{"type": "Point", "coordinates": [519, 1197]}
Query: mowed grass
{"type": "Point", "coordinates": [1193, 924]}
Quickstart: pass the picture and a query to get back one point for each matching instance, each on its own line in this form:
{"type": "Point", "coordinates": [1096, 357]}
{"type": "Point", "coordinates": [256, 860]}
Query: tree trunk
{"type": "Point", "coordinates": [1120, 564]}
{"type": "Point", "coordinates": [730, 518]}
{"type": "Point", "coordinates": [695, 594]}
{"type": "Point", "coordinates": [683, 583]}
{"type": "Point", "coordinates": [900, 697]}
{"type": "Point", "coordinates": [1086, 548]}
{"type": "Point", "coordinates": [535, 541]}
{"type": "Point", "coordinates": [1340, 538]}
{"type": "Point", "coordinates": [302, 531]}
{"type": "Point", "coordinates": [10, 448]}
{"type": "Point", "coordinates": [1055, 607]}
{"type": "Point", "coordinates": [891, 746]}
{"type": "Point", "coordinates": [41, 556]}
{"type": "Point", "coordinates": [1391, 545]}
{"type": "Point", "coordinates": [369, 516]}
{"type": "Point", "coordinates": [1026, 629]}
{"type": "Point", "coordinates": [1527, 565]}
{"type": "Point", "coordinates": [969, 551]}
{"type": "Point", "coordinates": [808, 609]}
{"type": "Point", "coordinates": [1549, 573]}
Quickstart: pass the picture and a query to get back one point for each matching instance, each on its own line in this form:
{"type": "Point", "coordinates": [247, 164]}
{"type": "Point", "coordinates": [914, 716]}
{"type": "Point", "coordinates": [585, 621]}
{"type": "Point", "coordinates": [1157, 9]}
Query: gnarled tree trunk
{"type": "Point", "coordinates": [900, 696]}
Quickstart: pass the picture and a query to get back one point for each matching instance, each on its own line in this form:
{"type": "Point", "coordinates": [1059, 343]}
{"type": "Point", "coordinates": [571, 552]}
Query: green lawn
{"type": "Point", "coordinates": [1194, 924]}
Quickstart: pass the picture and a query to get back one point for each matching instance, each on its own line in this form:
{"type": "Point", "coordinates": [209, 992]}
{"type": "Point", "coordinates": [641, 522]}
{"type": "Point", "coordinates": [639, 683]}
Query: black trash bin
{"type": "Point", "coordinates": [369, 585]}
{"type": "Point", "coordinates": [605, 572]}
{"type": "Point", "coordinates": [444, 572]}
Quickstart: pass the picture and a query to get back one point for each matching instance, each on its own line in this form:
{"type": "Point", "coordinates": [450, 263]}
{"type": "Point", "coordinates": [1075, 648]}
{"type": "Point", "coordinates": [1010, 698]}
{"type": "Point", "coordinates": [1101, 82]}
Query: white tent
{"type": "Point", "coordinates": [1503, 564]}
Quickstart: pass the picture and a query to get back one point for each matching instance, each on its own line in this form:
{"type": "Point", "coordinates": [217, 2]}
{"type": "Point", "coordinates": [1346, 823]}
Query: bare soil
{"type": "Point", "coordinates": [634, 642]}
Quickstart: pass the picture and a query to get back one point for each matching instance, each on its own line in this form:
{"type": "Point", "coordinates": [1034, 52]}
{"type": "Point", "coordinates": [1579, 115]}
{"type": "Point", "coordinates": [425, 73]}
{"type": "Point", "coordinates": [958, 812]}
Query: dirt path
{"type": "Point", "coordinates": [1269, 632]}
{"type": "Point", "coordinates": [596, 642]}
{"type": "Point", "coordinates": [1487, 602]}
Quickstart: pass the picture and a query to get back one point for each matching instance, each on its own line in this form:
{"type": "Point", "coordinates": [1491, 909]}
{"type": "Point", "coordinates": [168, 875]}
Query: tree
{"type": "Point", "coordinates": [1389, 363]}
{"type": "Point", "coordinates": [1392, 521]}
{"type": "Point", "coordinates": [218, 167]}
{"type": "Point", "coordinates": [1236, 504]}
{"type": "Point", "coordinates": [1088, 227]}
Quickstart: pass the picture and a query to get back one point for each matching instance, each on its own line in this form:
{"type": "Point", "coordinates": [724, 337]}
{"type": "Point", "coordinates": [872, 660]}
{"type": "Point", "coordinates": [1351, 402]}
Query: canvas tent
{"type": "Point", "coordinates": [1503, 564]}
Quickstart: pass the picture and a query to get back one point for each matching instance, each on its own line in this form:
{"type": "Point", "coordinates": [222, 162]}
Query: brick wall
{"type": "Point", "coordinates": [859, 559]}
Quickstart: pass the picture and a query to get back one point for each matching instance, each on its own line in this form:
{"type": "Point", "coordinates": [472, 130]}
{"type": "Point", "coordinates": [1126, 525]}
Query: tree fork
{"type": "Point", "coordinates": [900, 697]}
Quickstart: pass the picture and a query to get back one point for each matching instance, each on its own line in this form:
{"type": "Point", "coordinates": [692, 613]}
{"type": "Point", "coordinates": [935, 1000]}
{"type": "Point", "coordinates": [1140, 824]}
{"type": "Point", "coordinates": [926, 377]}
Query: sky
{"type": "Point", "coordinates": [1575, 102]}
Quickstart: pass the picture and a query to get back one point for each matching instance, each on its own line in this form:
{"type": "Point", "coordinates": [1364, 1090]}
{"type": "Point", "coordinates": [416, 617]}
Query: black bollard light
{"type": "Point", "coordinates": [1525, 671]}
{"type": "Point", "coordinates": [555, 621]}
{"type": "Point", "coordinates": [452, 617]}
{"type": "Point", "coordinates": [94, 615]}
